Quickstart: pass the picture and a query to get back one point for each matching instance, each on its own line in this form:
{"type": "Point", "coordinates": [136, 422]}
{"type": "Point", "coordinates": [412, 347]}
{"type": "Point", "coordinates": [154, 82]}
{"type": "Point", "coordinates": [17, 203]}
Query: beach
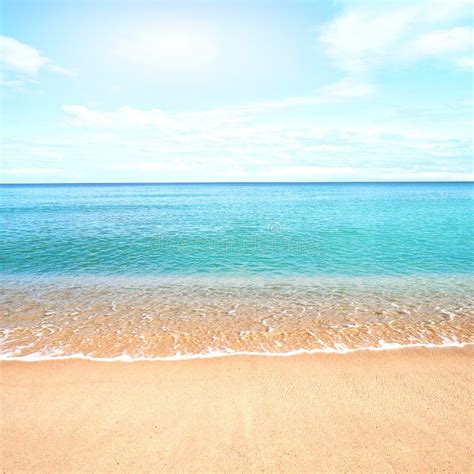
{"type": "Point", "coordinates": [237, 236]}
{"type": "Point", "coordinates": [392, 410]}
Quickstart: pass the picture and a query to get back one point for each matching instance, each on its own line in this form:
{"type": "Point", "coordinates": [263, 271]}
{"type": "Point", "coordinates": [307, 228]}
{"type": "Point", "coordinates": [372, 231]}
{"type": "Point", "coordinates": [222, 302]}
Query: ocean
{"type": "Point", "coordinates": [157, 271]}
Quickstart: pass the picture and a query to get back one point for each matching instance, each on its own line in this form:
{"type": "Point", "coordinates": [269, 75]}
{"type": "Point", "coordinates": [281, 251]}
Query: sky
{"type": "Point", "coordinates": [176, 91]}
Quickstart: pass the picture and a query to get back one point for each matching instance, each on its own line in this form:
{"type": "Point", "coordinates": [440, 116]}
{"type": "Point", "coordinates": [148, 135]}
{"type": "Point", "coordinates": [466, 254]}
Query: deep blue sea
{"type": "Point", "coordinates": [191, 270]}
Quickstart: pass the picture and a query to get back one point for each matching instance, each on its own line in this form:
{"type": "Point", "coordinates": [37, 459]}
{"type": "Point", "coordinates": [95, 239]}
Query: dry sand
{"type": "Point", "coordinates": [401, 410]}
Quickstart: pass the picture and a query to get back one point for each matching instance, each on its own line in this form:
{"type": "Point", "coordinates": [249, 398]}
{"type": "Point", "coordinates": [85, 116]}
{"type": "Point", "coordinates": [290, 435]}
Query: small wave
{"type": "Point", "coordinates": [385, 346]}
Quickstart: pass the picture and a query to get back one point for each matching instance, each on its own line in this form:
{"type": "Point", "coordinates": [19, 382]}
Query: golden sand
{"type": "Point", "coordinates": [401, 410]}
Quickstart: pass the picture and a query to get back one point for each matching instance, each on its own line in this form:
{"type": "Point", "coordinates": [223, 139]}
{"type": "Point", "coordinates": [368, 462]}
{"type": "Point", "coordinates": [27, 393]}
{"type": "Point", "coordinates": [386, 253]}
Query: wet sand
{"type": "Point", "coordinates": [149, 318]}
{"type": "Point", "coordinates": [400, 410]}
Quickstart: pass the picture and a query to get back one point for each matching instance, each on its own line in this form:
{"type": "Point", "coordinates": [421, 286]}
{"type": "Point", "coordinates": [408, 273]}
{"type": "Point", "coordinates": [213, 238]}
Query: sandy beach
{"type": "Point", "coordinates": [399, 410]}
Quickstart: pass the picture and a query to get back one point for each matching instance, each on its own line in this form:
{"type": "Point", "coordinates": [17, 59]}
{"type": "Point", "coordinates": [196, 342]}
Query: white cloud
{"type": "Point", "coordinates": [31, 171]}
{"type": "Point", "coordinates": [20, 57]}
{"type": "Point", "coordinates": [59, 70]}
{"type": "Point", "coordinates": [465, 63]}
{"type": "Point", "coordinates": [129, 118]}
{"type": "Point", "coordinates": [328, 148]}
{"type": "Point", "coordinates": [364, 37]}
{"type": "Point", "coordinates": [311, 172]}
{"type": "Point", "coordinates": [124, 117]}
{"type": "Point", "coordinates": [345, 89]}
{"type": "Point", "coordinates": [442, 42]}
{"type": "Point", "coordinates": [358, 37]}
{"type": "Point", "coordinates": [157, 141]}
{"type": "Point", "coordinates": [21, 62]}
{"type": "Point", "coordinates": [348, 88]}
{"type": "Point", "coordinates": [279, 151]}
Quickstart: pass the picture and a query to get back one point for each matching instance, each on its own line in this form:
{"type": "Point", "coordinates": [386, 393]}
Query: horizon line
{"type": "Point", "coordinates": [118, 183]}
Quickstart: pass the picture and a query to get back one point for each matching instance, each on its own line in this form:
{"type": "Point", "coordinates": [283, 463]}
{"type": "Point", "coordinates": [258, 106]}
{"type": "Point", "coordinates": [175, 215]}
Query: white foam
{"type": "Point", "coordinates": [37, 357]}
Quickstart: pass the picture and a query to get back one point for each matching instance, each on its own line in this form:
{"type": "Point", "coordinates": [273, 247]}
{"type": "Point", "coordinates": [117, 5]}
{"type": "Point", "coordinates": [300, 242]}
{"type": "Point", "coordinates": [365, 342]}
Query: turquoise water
{"type": "Point", "coordinates": [237, 229]}
{"type": "Point", "coordinates": [192, 270]}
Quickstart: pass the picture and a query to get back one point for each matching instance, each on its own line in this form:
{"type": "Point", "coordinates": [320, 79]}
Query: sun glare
{"type": "Point", "coordinates": [171, 47]}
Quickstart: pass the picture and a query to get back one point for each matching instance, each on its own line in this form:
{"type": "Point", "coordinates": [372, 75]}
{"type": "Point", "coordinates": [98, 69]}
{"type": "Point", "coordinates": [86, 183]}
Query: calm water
{"type": "Point", "coordinates": [336, 229]}
{"type": "Point", "coordinates": [161, 270]}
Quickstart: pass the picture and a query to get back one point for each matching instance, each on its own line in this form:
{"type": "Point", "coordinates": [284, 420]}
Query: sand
{"type": "Point", "coordinates": [399, 410]}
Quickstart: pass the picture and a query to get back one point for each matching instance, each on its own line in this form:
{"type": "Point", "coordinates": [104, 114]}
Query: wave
{"type": "Point", "coordinates": [383, 346]}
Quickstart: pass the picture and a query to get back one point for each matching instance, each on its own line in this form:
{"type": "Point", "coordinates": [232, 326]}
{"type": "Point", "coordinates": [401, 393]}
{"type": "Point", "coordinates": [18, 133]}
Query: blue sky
{"type": "Point", "coordinates": [129, 91]}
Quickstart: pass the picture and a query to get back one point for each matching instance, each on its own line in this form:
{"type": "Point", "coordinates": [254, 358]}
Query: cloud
{"type": "Point", "coordinates": [258, 151]}
{"type": "Point", "coordinates": [124, 117]}
{"type": "Point", "coordinates": [328, 148]}
{"type": "Point", "coordinates": [254, 142]}
{"type": "Point", "coordinates": [442, 42]}
{"type": "Point", "coordinates": [21, 62]}
{"type": "Point", "coordinates": [348, 88]}
{"type": "Point", "coordinates": [31, 171]}
{"type": "Point", "coordinates": [130, 118]}
{"type": "Point", "coordinates": [358, 37]}
{"type": "Point", "coordinates": [312, 172]}
{"type": "Point", "coordinates": [465, 63]}
{"type": "Point", "coordinates": [363, 37]}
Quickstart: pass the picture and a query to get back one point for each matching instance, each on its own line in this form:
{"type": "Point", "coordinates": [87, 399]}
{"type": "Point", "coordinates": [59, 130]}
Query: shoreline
{"type": "Point", "coordinates": [380, 410]}
{"type": "Point", "coordinates": [144, 320]}
{"type": "Point", "coordinates": [217, 355]}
